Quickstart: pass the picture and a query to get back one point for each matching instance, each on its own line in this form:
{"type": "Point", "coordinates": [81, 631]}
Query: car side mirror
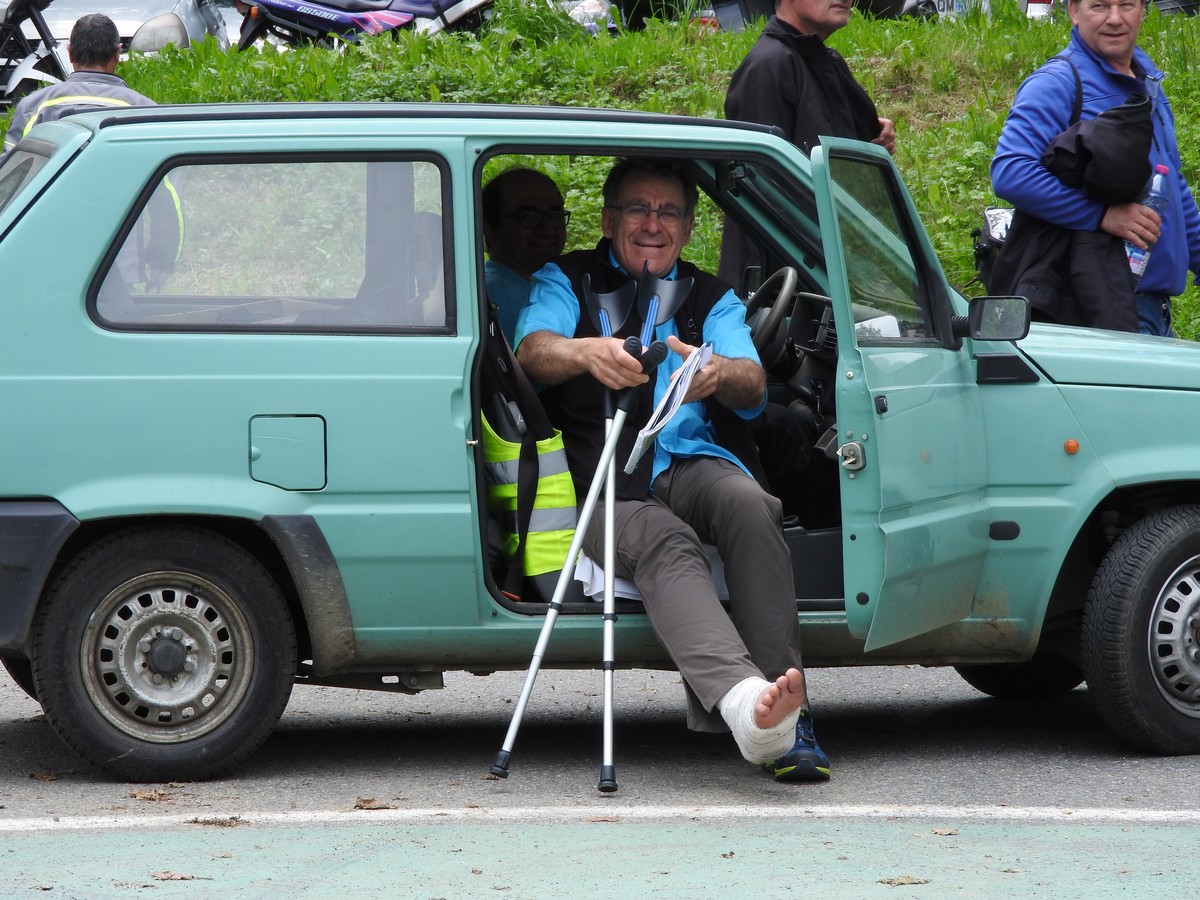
{"type": "Point", "coordinates": [994, 319]}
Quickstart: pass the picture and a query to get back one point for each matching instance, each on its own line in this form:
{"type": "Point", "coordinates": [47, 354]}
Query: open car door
{"type": "Point", "coordinates": [915, 522]}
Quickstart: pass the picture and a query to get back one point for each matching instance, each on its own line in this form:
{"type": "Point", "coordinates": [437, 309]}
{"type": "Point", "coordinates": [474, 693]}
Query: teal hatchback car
{"type": "Point", "coordinates": [240, 373]}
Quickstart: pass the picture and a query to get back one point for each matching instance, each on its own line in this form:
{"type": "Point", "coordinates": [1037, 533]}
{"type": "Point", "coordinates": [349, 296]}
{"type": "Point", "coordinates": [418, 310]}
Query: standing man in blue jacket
{"type": "Point", "coordinates": [1103, 49]}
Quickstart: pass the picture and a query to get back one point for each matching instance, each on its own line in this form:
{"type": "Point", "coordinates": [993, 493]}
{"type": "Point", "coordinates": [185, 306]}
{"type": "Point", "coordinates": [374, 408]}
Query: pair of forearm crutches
{"type": "Point", "coordinates": [658, 300]}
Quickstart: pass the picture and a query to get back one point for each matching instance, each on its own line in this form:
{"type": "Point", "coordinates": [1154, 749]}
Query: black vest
{"type": "Point", "coordinates": [577, 406]}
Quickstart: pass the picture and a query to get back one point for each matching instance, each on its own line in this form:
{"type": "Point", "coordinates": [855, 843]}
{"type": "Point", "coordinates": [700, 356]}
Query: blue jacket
{"type": "Point", "coordinates": [1042, 110]}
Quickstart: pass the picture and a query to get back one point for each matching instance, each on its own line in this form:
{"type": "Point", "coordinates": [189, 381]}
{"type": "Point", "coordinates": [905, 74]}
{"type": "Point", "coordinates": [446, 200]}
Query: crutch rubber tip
{"type": "Point", "coordinates": [608, 779]}
{"type": "Point", "coordinates": [500, 766]}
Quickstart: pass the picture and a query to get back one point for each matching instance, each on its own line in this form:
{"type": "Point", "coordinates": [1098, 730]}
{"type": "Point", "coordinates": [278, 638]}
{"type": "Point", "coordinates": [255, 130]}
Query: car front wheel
{"type": "Point", "coordinates": [1141, 633]}
{"type": "Point", "coordinates": [164, 654]}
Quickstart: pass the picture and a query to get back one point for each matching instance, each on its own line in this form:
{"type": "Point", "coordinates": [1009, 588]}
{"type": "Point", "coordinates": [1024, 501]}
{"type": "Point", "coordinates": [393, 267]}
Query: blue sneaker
{"type": "Point", "coordinates": [806, 761]}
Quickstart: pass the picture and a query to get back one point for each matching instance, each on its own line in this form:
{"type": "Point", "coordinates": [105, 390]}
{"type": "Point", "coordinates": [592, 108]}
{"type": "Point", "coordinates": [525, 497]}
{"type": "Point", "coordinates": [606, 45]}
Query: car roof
{"type": "Point", "coordinates": [264, 112]}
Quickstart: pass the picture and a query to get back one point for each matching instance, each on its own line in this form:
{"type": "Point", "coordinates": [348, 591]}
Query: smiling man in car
{"type": "Point", "coordinates": [741, 668]}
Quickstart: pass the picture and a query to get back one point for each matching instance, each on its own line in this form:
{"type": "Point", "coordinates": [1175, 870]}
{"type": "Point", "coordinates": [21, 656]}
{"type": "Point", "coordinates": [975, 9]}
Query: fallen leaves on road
{"type": "Point", "coordinates": [227, 822]}
{"type": "Point", "coordinates": [48, 775]}
{"type": "Point", "coordinates": [900, 880]}
{"type": "Point", "coordinates": [154, 795]}
{"type": "Point", "coordinates": [176, 876]}
{"type": "Point", "coordinates": [371, 803]}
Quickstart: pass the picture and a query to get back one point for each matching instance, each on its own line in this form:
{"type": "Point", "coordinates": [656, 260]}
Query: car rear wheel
{"type": "Point", "coordinates": [1046, 675]}
{"type": "Point", "coordinates": [164, 654]}
{"type": "Point", "coordinates": [1141, 633]}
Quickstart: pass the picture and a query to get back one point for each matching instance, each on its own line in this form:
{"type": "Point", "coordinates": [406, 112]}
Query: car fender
{"type": "Point", "coordinates": [32, 533]}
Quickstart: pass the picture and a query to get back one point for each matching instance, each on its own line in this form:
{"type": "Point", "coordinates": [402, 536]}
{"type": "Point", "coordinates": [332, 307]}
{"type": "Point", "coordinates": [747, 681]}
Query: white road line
{"type": "Point", "coordinates": [1033, 815]}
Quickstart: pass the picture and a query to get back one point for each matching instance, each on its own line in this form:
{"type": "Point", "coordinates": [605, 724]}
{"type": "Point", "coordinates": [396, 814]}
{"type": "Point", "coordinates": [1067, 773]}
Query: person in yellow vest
{"type": "Point", "coordinates": [95, 49]}
{"type": "Point", "coordinates": [532, 501]}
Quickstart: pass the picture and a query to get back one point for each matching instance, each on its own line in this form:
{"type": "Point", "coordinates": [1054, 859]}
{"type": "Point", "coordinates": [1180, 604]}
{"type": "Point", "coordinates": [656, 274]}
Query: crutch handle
{"type": "Point", "coordinates": [654, 356]}
{"type": "Point", "coordinates": [650, 361]}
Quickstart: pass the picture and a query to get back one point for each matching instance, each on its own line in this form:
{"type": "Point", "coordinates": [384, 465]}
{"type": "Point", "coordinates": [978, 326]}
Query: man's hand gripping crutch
{"type": "Point", "coordinates": [657, 300]}
{"type": "Point", "coordinates": [609, 313]}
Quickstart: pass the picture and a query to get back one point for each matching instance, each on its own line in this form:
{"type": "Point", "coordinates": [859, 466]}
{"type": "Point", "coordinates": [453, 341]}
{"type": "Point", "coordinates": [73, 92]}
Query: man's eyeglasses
{"type": "Point", "coordinates": [637, 213]}
{"type": "Point", "coordinates": [528, 217]}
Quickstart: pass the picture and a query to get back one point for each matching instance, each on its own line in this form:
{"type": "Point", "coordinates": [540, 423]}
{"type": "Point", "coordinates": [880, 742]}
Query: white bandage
{"type": "Point", "coordinates": [758, 745]}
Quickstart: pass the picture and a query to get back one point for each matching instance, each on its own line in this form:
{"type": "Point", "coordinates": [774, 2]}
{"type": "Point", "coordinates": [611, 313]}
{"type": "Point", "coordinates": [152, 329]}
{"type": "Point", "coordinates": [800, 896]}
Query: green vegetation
{"type": "Point", "coordinates": [947, 84]}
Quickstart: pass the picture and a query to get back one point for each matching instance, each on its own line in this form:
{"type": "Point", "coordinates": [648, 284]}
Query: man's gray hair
{"type": "Point", "coordinates": [94, 41]}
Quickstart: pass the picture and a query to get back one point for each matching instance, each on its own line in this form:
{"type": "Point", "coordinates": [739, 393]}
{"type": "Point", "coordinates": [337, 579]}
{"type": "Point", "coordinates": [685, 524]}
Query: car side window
{"type": "Point", "coordinates": [284, 245]}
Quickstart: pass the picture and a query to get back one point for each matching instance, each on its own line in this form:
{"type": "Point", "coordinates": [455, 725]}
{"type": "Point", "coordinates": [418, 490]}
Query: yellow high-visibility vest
{"type": "Point", "coordinates": [553, 516]}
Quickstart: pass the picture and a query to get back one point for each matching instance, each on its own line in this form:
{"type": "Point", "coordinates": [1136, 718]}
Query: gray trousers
{"type": "Point", "coordinates": [659, 546]}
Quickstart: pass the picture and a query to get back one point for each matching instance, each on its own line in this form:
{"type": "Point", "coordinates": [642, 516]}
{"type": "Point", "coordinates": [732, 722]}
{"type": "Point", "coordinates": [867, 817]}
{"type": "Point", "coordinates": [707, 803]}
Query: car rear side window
{"type": "Point", "coordinates": [19, 167]}
{"type": "Point", "coordinates": [284, 245]}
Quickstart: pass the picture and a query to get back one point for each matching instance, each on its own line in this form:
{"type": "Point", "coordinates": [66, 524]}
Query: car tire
{"type": "Point", "coordinates": [1141, 654]}
{"type": "Point", "coordinates": [164, 654]}
{"type": "Point", "coordinates": [1046, 675]}
{"type": "Point", "coordinates": [21, 671]}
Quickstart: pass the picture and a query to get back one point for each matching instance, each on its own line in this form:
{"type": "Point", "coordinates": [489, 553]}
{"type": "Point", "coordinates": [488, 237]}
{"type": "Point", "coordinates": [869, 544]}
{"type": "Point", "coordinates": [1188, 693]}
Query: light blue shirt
{"type": "Point", "coordinates": [553, 307]}
{"type": "Point", "coordinates": [509, 291]}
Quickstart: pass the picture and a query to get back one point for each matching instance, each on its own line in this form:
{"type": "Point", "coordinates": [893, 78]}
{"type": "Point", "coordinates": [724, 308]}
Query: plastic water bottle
{"type": "Point", "coordinates": [1157, 198]}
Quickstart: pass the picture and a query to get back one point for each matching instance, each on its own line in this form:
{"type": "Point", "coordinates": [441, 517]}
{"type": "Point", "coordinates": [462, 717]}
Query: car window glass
{"type": "Point", "coordinates": [18, 168]}
{"type": "Point", "coordinates": [885, 284]}
{"type": "Point", "coordinates": [284, 245]}
{"type": "Point", "coordinates": [779, 200]}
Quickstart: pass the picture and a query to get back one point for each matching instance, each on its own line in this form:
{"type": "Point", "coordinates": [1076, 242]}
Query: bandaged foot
{"type": "Point", "coordinates": [762, 715]}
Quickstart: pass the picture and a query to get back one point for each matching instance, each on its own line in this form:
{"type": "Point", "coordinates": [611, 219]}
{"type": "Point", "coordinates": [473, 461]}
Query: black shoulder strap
{"type": "Point", "coordinates": [1077, 106]}
{"type": "Point", "coordinates": [517, 415]}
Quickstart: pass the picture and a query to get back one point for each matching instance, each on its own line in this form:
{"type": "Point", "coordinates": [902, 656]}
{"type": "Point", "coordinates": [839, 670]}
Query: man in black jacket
{"type": "Point", "coordinates": [790, 79]}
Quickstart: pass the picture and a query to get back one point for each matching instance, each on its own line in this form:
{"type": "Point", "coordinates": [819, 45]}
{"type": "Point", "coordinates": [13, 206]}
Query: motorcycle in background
{"type": "Point", "coordinates": [294, 22]}
{"type": "Point", "coordinates": [25, 64]}
{"type": "Point", "coordinates": [297, 22]}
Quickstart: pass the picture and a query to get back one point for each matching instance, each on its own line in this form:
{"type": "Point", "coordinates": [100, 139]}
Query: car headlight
{"type": "Point", "coordinates": [156, 33]}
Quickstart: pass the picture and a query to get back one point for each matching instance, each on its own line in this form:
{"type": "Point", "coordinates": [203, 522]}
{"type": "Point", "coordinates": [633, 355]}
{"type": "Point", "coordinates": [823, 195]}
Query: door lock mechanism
{"type": "Point", "coordinates": [852, 456]}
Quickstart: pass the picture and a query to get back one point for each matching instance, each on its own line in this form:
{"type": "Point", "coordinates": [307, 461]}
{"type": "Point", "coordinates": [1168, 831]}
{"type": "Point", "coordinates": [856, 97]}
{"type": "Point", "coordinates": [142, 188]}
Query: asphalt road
{"type": "Point", "coordinates": [937, 791]}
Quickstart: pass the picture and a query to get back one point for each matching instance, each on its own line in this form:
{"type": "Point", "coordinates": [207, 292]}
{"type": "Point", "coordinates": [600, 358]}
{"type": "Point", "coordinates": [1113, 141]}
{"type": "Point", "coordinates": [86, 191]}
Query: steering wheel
{"type": "Point", "coordinates": [776, 292]}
